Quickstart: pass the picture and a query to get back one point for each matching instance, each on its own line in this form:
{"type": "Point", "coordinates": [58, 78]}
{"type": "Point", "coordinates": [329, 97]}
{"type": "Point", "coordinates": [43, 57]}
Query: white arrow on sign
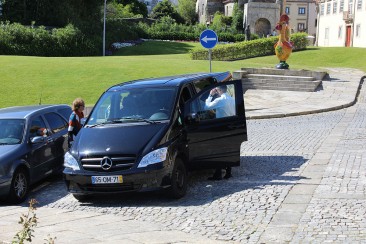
{"type": "Point", "coordinates": [206, 39]}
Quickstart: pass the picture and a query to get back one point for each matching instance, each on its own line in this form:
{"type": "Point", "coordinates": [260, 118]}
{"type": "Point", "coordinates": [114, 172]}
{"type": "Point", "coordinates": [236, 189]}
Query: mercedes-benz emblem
{"type": "Point", "coordinates": [106, 163]}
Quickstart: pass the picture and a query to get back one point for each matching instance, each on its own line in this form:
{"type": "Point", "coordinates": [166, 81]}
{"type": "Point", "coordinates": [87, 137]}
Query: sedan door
{"type": "Point", "coordinates": [216, 125]}
{"type": "Point", "coordinates": [39, 153]}
{"type": "Point", "coordinates": [57, 140]}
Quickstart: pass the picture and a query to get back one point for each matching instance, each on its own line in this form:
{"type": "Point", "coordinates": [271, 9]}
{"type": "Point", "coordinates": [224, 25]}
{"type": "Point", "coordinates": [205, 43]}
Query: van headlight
{"type": "Point", "coordinates": [156, 156]}
{"type": "Point", "coordinates": [70, 162]}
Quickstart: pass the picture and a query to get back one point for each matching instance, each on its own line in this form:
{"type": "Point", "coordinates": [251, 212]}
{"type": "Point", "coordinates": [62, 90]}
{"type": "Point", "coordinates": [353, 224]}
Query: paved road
{"type": "Point", "coordinates": [301, 179]}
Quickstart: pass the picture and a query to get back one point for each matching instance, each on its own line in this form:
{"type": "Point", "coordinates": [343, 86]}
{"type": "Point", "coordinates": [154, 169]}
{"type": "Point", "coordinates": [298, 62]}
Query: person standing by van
{"type": "Point", "coordinates": [75, 125]}
{"type": "Point", "coordinates": [223, 103]}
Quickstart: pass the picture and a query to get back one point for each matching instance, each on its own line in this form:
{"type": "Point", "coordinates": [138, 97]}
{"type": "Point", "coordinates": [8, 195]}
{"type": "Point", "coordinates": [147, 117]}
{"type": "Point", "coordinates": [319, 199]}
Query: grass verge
{"type": "Point", "coordinates": [29, 80]}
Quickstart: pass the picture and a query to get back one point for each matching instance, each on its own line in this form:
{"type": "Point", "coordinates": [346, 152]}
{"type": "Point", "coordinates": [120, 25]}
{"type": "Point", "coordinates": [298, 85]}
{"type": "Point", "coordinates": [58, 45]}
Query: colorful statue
{"type": "Point", "coordinates": [283, 47]}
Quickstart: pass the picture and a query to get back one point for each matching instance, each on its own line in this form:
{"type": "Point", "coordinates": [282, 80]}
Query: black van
{"type": "Point", "coordinates": [146, 134]}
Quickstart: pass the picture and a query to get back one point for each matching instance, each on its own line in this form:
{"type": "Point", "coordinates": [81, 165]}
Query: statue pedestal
{"type": "Point", "coordinates": [282, 65]}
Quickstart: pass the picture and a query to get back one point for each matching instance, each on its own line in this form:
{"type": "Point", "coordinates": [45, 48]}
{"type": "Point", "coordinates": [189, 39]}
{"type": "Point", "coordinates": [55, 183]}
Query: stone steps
{"type": "Point", "coordinates": [274, 79]}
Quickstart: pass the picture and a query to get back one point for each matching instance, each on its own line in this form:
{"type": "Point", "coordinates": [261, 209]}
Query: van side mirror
{"type": "Point", "coordinates": [192, 118]}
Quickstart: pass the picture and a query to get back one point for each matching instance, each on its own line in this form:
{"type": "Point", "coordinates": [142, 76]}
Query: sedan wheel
{"type": "Point", "coordinates": [19, 186]}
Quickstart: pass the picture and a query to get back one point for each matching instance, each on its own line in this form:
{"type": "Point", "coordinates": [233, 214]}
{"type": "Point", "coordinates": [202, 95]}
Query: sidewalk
{"type": "Point", "coordinates": [338, 92]}
{"type": "Point", "coordinates": [97, 227]}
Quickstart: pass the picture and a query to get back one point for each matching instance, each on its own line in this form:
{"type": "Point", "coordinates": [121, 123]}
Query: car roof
{"type": "Point", "coordinates": [175, 80]}
{"type": "Point", "coordinates": [22, 112]}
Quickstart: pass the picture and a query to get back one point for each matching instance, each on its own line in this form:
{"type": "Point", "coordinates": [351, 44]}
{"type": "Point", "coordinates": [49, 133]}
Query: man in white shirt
{"type": "Point", "coordinates": [224, 104]}
{"type": "Point", "coordinates": [225, 107]}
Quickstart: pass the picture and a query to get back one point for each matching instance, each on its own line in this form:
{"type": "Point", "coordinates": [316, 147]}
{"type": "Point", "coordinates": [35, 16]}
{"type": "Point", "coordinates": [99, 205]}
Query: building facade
{"type": "Point", "coordinates": [303, 15]}
{"type": "Point", "coordinates": [263, 15]}
{"type": "Point", "coordinates": [342, 23]}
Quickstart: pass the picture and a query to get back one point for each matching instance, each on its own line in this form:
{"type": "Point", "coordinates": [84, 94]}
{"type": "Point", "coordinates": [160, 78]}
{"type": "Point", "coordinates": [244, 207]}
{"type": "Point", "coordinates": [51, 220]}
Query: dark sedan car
{"type": "Point", "coordinates": [33, 140]}
{"type": "Point", "coordinates": [146, 134]}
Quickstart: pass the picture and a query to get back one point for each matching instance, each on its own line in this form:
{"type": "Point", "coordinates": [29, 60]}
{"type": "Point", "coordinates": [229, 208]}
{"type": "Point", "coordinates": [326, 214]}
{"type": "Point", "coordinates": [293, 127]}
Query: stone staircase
{"type": "Point", "coordinates": [279, 79]}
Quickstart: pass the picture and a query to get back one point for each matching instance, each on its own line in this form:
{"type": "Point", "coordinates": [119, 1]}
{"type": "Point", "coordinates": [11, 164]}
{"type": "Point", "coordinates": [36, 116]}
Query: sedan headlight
{"type": "Point", "coordinates": [70, 162]}
{"type": "Point", "coordinates": [156, 156]}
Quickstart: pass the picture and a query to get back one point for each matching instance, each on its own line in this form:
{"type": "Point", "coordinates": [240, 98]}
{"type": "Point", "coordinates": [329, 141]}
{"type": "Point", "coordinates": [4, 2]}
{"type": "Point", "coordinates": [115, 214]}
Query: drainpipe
{"type": "Point", "coordinates": [353, 22]}
{"type": "Point", "coordinates": [318, 21]}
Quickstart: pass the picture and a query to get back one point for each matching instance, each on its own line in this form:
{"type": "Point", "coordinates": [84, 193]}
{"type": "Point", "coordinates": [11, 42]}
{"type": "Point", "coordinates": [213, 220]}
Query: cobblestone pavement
{"type": "Point", "coordinates": [337, 211]}
{"type": "Point", "coordinates": [235, 210]}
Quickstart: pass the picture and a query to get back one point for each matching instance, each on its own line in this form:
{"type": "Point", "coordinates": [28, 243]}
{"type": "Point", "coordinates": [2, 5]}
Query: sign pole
{"type": "Point", "coordinates": [209, 57]}
{"type": "Point", "coordinates": [209, 39]}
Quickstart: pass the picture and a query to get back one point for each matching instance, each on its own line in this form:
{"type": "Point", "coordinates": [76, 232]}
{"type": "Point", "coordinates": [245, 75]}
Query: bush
{"type": "Point", "coordinates": [17, 39]}
{"type": "Point", "coordinates": [247, 49]}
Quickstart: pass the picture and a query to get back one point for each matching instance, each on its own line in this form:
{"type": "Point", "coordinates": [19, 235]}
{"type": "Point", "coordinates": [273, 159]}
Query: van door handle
{"type": "Point", "coordinates": [50, 140]}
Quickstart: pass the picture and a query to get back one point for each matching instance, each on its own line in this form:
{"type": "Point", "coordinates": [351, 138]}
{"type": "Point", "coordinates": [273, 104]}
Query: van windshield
{"type": "Point", "coordinates": [134, 105]}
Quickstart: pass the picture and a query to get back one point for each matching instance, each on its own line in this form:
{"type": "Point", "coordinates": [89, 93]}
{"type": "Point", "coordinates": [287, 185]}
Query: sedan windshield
{"type": "Point", "coordinates": [11, 131]}
{"type": "Point", "coordinates": [147, 105]}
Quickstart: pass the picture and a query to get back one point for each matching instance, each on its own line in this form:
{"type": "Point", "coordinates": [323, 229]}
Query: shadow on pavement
{"type": "Point", "coordinates": [255, 172]}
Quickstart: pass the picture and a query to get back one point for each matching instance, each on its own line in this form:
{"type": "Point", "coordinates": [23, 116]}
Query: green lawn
{"type": "Point", "coordinates": [26, 80]}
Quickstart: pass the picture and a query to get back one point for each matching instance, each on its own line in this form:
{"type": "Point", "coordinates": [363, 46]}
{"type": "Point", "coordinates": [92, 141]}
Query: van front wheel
{"type": "Point", "coordinates": [179, 180]}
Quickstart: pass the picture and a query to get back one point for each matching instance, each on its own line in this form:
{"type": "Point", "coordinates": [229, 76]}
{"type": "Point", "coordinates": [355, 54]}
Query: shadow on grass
{"type": "Point", "coordinates": [157, 48]}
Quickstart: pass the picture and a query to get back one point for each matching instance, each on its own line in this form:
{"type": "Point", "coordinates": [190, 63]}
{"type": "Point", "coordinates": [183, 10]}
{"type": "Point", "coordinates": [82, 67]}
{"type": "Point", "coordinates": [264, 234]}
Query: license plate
{"type": "Point", "coordinates": [112, 179]}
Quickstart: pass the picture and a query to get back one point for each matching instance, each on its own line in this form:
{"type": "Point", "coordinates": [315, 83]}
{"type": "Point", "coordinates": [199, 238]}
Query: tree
{"type": "Point", "coordinates": [237, 23]}
{"type": "Point", "coordinates": [165, 8]}
{"type": "Point", "coordinates": [220, 22]}
{"type": "Point", "coordinates": [59, 13]}
{"type": "Point", "coordinates": [117, 10]}
{"type": "Point", "coordinates": [187, 9]}
{"type": "Point", "coordinates": [135, 7]}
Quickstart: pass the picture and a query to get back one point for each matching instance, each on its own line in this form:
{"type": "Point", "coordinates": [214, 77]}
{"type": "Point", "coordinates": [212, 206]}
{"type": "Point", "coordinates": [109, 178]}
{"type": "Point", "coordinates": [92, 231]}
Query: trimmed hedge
{"type": "Point", "coordinates": [17, 39]}
{"type": "Point", "coordinates": [247, 49]}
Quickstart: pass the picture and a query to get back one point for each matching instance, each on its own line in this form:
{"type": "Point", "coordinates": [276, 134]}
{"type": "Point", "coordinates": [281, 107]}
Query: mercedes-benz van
{"type": "Point", "coordinates": [147, 134]}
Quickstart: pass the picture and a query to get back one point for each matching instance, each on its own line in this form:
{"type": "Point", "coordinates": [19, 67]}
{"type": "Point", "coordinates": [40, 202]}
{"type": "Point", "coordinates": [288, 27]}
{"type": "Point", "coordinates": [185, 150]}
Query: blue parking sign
{"type": "Point", "coordinates": [208, 39]}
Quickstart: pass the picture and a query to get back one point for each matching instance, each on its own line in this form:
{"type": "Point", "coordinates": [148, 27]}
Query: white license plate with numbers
{"type": "Point", "coordinates": [112, 179]}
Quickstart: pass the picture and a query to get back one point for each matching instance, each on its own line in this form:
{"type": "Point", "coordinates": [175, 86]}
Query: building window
{"type": "Point", "coordinates": [359, 4]}
{"type": "Point", "coordinates": [341, 6]}
{"type": "Point", "coordinates": [335, 7]}
{"type": "Point", "coordinates": [350, 7]}
{"type": "Point", "coordinates": [287, 10]}
{"type": "Point", "coordinates": [328, 8]}
{"type": "Point", "coordinates": [358, 30]}
{"type": "Point", "coordinates": [301, 10]}
{"type": "Point", "coordinates": [300, 27]}
{"type": "Point", "coordinates": [340, 31]}
{"type": "Point", "coordinates": [203, 8]}
{"type": "Point", "coordinates": [322, 9]}
{"type": "Point", "coordinates": [326, 33]}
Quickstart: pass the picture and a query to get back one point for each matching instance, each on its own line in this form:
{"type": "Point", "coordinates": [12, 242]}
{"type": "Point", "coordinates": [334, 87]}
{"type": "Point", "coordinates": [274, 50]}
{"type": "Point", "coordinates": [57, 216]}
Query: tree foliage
{"type": "Point", "coordinates": [56, 13]}
{"type": "Point", "coordinates": [237, 19]}
{"type": "Point", "coordinates": [219, 22]}
{"type": "Point", "coordinates": [128, 8]}
{"type": "Point", "coordinates": [165, 8]}
{"type": "Point", "coordinates": [187, 9]}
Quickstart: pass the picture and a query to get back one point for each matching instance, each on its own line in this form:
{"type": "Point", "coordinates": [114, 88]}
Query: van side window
{"type": "Point", "coordinates": [216, 103]}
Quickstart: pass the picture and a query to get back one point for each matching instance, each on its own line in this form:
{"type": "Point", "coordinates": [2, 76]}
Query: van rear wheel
{"type": "Point", "coordinates": [179, 180]}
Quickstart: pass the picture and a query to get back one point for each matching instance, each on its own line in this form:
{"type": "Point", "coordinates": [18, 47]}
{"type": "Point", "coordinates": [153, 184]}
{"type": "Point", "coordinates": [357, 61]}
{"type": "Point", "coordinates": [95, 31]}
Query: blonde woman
{"type": "Point", "coordinates": [75, 125]}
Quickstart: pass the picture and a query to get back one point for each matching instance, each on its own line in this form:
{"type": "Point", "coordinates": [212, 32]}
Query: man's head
{"type": "Point", "coordinates": [221, 89]}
